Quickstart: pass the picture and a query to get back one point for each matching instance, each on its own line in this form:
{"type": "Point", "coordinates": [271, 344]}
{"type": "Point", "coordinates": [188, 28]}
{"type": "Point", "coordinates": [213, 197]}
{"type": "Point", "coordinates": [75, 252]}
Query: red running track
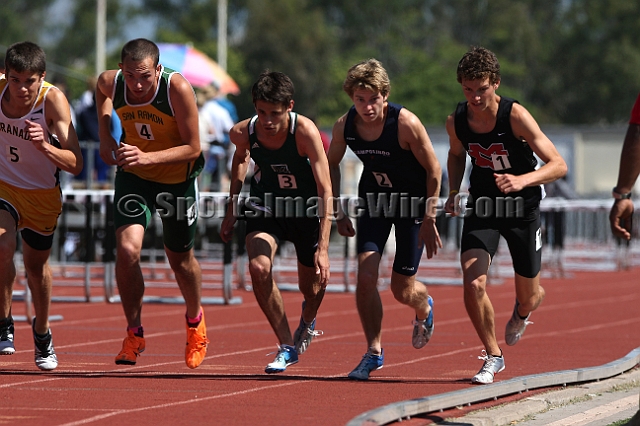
{"type": "Point", "coordinates": [587, 320]}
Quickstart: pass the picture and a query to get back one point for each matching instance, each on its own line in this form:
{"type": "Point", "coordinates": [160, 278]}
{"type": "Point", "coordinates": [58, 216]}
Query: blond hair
{"type": "Point", "coordinates": [367, 75]}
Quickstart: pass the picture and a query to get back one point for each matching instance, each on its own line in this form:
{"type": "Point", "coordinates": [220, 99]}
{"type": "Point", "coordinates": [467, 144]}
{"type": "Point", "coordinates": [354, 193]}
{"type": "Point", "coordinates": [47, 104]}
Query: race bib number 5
{"type": "Point", "coordinates": [13, 153]}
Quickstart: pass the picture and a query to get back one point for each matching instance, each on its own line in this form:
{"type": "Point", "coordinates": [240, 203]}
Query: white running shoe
{"type": "Point", "coordinates": [6, 339]}
{"type": "Point", "coordinates": [516, 326]}
{"type": "Point", "coordinates": [492, 366]}
{"type": "Point", "coordinates": [45, 356]}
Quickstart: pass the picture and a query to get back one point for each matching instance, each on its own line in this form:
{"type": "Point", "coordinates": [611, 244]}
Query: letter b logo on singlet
{"type": "Point", "coordinates": [144, 131]}
{"type": "Point", "coordinates": [495, 157]}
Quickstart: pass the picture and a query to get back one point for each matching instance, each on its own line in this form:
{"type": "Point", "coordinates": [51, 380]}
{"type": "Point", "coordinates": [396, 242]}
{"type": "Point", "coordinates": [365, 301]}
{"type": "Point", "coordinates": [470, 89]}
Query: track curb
{"type": "Point", "coordinates": [590, 380]}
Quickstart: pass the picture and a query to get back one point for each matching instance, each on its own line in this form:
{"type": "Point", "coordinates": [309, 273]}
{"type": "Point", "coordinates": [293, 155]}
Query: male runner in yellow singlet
{"type": "Point", "coordinates": [38, 140]}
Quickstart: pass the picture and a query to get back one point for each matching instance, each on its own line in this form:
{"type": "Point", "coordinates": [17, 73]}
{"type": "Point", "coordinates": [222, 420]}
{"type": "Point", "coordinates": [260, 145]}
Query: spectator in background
{"type": "Point", "coordinates": [218, 122]}
{"type": "Point", "coordinates": [88, 133]}
{"type": "Point", "coordinates": [223, 101]}
{"type": "Point", "coordinates": [205, 131]}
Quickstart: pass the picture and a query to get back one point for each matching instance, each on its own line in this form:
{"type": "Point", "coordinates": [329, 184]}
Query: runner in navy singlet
{"type": "Point", "coordinates": [401, 173]}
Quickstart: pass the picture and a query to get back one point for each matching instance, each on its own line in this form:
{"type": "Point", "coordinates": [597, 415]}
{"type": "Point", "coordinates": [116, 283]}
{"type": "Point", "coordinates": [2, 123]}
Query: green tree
{"type": "Point", "coordinates": [290, 36]}
{"type": "Point", "coordinates": [598, 61]}
{"type": "Point", "coordinates": [21, 20]}
{"type": "Point", "coordinates": [180, 21]}
{"type": "Point", "coordinates": [403, 35]}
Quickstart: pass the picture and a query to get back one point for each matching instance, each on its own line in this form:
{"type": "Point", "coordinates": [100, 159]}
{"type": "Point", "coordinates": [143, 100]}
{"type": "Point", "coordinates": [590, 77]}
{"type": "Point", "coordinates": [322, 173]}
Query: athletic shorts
{"type": "Point", "coordinates": [302, 232]}
{"type": "Point", "coordinates": [523, 236]}
{"type": "Point", "coordinates": [373, 234]}
{"type": "Point", "coordinates": [136, 200]}
{"type": "Point", "coordinates": [35, 211]}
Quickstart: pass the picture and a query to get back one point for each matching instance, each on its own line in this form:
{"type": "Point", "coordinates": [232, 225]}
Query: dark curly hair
{"type": "Point", "coordinates": [477, 64]}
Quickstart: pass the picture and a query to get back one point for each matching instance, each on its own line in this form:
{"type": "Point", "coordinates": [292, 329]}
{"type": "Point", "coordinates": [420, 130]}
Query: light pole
{"type": "Point", "coordinates": [101, 35]}
{"type": "Point", "coordinates": [222, 34]}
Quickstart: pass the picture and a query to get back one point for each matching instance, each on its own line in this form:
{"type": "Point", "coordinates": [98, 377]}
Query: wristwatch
{"type": "Point", "coordinates": [619, 196]}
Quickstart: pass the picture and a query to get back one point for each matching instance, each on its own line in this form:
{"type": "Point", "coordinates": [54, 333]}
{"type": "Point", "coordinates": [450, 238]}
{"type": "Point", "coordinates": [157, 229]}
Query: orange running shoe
{"type": "Point", "coordinates": [131, 349]}
{"type": "Point", "coordinates": [196, 344]}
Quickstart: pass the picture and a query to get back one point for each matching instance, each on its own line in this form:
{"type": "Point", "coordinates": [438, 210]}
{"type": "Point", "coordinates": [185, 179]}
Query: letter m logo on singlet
{"type": "Point", "coordinates": [495, 157]}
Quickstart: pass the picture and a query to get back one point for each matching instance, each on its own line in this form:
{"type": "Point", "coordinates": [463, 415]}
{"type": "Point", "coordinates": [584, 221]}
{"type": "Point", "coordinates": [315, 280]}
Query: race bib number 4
{"type": "Point", "coordinates": [144, 131]}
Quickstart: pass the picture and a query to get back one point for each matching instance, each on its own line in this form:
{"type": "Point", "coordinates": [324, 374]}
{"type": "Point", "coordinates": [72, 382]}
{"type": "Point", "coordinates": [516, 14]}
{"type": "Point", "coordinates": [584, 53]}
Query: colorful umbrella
{"type": "Point", "coordinates": [199, 69]}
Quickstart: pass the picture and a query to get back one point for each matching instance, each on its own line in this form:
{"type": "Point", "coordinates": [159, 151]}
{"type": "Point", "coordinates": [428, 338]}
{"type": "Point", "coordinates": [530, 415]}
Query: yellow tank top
{"type": "Point", "coordinates": [152, 127]}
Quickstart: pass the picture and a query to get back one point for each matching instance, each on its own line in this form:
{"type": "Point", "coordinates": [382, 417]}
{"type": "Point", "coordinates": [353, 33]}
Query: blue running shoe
{"type": "Point", "coordinates": [304, 334]}
{"type": "Point", "coordinates": [423, 329]}
{"type": "Point", "coordinates": [286, 356]}
{"type": "Point", "coordinates": [370, 362]}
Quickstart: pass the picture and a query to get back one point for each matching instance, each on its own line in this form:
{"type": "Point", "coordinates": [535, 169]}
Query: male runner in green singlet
{"type": "Point", "coordinates": [290, 163]}
{"type": "Point", "coordinates": [158, 161]}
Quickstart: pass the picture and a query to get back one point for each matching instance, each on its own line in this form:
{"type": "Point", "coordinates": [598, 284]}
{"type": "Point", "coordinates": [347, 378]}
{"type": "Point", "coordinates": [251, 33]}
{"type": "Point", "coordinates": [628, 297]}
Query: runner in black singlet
{"type": "Point", "coordinates": [290, 199]}
{"type": "Point", "coordinates": [505, 190]}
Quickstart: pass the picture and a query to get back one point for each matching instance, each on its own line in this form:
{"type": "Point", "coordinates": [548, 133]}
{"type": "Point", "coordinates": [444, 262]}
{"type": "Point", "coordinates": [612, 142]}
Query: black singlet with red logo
{"type": "Point", "coordinates": [498, 151]}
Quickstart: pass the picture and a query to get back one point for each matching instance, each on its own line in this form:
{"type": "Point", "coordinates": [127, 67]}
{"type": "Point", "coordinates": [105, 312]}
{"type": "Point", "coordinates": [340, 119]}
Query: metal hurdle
{"type": "Point", "coordinates": [589, 245]}
{"type": "Point", "coordinates": [90, 211]}
{"type": "Point", "coordinates": [227, 297]}
{"type": "Point", "coordinates": [25, 295]}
